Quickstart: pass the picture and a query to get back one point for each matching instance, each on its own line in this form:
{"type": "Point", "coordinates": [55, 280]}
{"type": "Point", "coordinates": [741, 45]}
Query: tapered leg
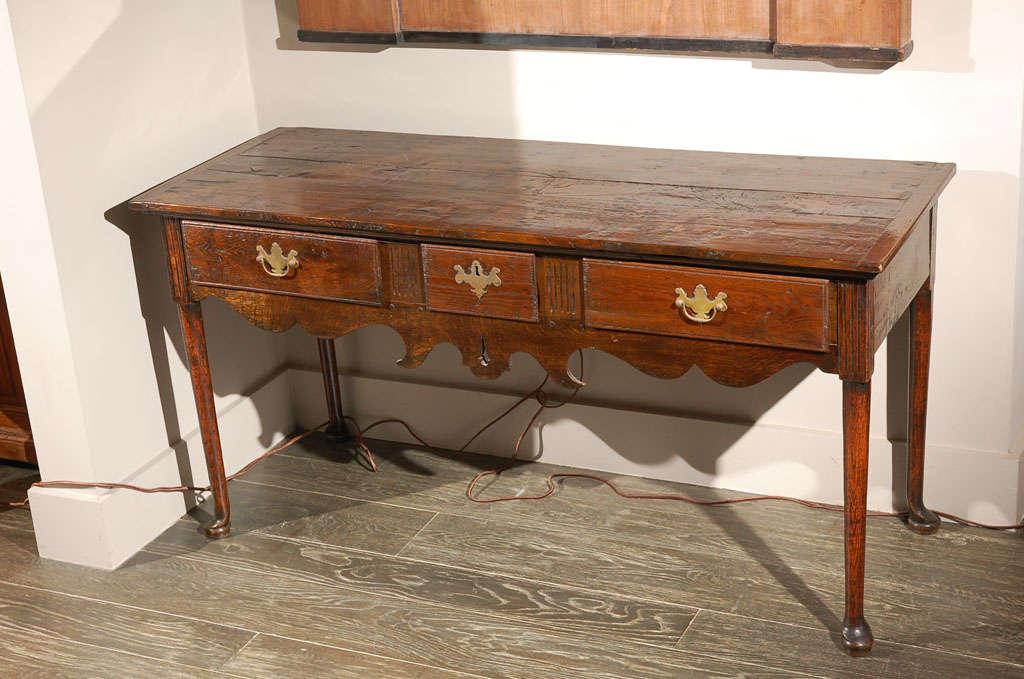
{"type": "Point", "coordinates": [332, 388]}
{"type": "Point", "coordinates": [919, 518]}
{"type": "Point", "coordinates": [856, 415]}
{"type": "Point", "coordinates": [199, 366]}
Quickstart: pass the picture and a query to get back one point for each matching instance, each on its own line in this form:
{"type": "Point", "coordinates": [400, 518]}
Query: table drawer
{"type": "Point", "coordinates": [751, 308]}
{"type": "Point", "coordinates": [274, 260]}
{"type": "Point", "coordinates": [488, 283]}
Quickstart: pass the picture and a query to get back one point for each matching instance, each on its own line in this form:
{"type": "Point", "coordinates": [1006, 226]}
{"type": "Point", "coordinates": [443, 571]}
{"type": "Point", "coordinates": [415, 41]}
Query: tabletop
{"type": "Point", "coordinates": [809, 215]}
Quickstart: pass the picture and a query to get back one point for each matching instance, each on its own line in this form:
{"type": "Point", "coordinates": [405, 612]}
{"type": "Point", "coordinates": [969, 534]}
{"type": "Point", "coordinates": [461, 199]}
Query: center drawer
{"type": "Point", "coordinates": [778, 311]}
{"type": "Point", "coordinates": [490, 283]}
{"type": "Point", "coordinates": [273, 260]}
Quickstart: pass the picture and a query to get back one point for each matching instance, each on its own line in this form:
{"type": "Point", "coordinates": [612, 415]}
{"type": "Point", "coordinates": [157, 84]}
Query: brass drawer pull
{"type": "Point", "coordinates": [477, 280]}
{"type": "Point", "coordinates": [280, 263]}
{"type": "Point", "coordinates": [700, 308]}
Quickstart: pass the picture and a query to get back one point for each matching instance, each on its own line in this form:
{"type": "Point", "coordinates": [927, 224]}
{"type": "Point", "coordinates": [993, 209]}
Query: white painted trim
{"type": "Point", "coordinates": [104, 528]}
{"type": "Point", "coordinates": [980, 485]}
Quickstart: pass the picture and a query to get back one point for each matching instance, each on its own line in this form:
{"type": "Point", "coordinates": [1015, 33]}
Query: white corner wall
{"type": "Point", "coordinates": [958, 98]}
{"type": "Point", "coordinates": [119, 96]}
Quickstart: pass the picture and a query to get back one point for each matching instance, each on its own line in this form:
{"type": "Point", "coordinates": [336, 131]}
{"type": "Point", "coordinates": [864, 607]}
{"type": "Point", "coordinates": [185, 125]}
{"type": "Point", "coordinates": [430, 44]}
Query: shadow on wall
{"type": "Point", "coordinates": [942, 37]}
{"type": "Point", "coordinates": [163, 326]}
{"type": "Point", "coordinates": [109, 102]}
{"type": "Point", "coordinates": [941, 30]}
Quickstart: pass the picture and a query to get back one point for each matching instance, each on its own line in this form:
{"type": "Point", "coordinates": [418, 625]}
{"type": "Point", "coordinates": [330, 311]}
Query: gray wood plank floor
{"type": "Point", "coordinates": [332, 571]}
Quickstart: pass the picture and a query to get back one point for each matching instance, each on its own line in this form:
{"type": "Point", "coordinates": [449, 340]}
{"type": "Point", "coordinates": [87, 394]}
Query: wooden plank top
{"type": "Point", "coordinates": [789, 213]}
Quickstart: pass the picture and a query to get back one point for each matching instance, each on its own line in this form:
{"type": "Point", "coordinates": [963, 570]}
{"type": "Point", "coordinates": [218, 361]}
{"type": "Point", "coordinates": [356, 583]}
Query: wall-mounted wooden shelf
{"type": "Point", "coordinates": [875, 31]}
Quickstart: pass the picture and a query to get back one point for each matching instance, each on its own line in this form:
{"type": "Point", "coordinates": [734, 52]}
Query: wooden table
{"type": "Point", "coordinates": [739, 264]}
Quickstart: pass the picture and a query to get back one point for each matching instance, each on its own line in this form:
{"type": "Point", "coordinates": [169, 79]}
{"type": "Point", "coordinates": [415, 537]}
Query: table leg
{"type": "Point", "coordinates": [332, 388]}
{"type": "Point", "coordinates": [199, 366]}
{"type": "Point", "coordinates": [856, 415]}
{"type": "Point", "coordinates": [920, 518]}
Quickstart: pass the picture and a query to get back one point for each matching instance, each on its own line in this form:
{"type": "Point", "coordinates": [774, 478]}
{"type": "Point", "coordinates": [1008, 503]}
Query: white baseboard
{"type": "Point", "coordinates": [758, 458]}
{"type": "Point", "coordinates": [102, 529]}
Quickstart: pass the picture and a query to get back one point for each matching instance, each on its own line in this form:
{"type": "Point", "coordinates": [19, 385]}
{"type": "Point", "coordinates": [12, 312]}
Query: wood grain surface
{"type": "Point", "coordinates": [813, 652]}
{"type": "Point", "coordinates": [723, 19]}
{"type": "Point", "coordinates": [513, 296]}
{"type": "Point", "coordinates": [370, 16]}
{"type": "Point", "coordinates": [329, 267]}
{"type": "Point", "coordinates": [799, 214]}
{"type": "Point", "coordinates": [761, 309]}
{"type": "Point", "coordinates": [877, 23]}
{"type": "Point", "coordinates": [75, 620]}
{"type": "Point", "coordinates": [583, 584]}
{"type": "Point", "coordinates": [562, 609]}
{"type": "Point", "coordinates": [552, 344]}
{"type": "Point", "coordinates": [858, 30]}
{"type": "Point", "coordinates": [891, 292]}
{"type": "Point", "coordinates": [269, 656]}
{"type": "Point", "coordinates": [15, 430]}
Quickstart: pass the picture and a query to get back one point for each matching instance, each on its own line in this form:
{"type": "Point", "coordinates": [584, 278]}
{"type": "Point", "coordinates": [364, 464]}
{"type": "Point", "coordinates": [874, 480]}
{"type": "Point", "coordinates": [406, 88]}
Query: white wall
{"type": "Point", "coordinates": [120, 95]}
{"type": "Point", "coordinates": [959, 98]}
{"type": "Point", "coordinates": [29, 270]}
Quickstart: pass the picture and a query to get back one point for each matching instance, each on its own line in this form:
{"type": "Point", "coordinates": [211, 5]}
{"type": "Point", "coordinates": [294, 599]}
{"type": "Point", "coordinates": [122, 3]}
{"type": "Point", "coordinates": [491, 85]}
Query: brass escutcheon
{"type": "Point", "coordinates": [279, 263]}
{"type": "Point", "coordinates": [700, 308]}
{"type": "Point", "coordinates": [477, 280]}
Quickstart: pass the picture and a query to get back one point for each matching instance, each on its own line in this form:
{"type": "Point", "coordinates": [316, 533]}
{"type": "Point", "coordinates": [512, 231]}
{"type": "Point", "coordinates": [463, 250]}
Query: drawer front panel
{"type": "Point", "coordinates": [757, 309]}
{"type": "Point", "coordinates": [488, 283]}
{"type": "Point", "coordinates": [285, 262]}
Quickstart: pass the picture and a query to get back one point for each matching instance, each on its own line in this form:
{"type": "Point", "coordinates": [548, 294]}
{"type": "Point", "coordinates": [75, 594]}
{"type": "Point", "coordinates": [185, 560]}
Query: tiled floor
{"type": "Point", "coordinates": [333, 571]}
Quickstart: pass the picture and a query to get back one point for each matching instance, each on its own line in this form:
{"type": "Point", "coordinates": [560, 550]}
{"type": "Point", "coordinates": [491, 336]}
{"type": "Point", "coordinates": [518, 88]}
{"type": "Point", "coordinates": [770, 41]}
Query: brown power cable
{"type": "Point", "coordinates": [544, 403]}
{"type": "Point", "coordinates": [166, 489]}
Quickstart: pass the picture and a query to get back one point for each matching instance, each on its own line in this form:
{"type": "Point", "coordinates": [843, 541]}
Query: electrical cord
{"type": "Point", "coordinates": [165, 489]}
{"type": "Point", "coordinates": [544, 402]}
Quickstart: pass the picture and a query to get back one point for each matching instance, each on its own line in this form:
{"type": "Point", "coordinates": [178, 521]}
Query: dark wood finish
{"type": "Point", "coordinates": [350, 37]}
{"type": "Point", "coordinates": [336, 425]}
{"type": "Point", "coordinates": [16, 441]}
{"type": "Point", "coordinates": [812, 216]}
{"type": "Point", "coordinates": [891, 292]}
{"type": "Point", "coordinates": [844, 53]}
{"type": "Point", "coordinates": [755, 48]}
{"type": "Point", "coordinates": [819, 257]}
{"type": "Point", "coordinates": [561, 288]}
{"type": "Point", "coordinates": [15, 429]}
{"type": "Point", "coordinates": [202, 386]}
{"type": "Point", "coordinates": [762, 309]}
{"type": "Point", "coordinates": [406, 269]}
{"type": "Point", "coordinates": [850, 30]}
{"type": "Point", "coordinates": [177, 268]}
{"type": "Point", "coordinates": [552, 345]}
{"type": "Point", "coordinates": [856, 419]}
{"type": "Point", "coordinates": [330, 267]}
{"type": "Point", "coordinates": [515, 298]}
{"type": "Point", "coordinates": [856, 355]}
{"type": "Point", "coordinates": [920, 518]}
